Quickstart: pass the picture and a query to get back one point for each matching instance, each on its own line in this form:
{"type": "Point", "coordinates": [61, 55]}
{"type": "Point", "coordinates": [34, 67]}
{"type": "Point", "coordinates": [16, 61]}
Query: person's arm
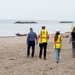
{"type": "Point", "coordinates": [27, 40]}
{"type": "Point", "coordinates": [60, 39]}
{"type": "Point", "coordinates": [70, 39]}
{"type": "Point", "coordinates": [36, 38]}
{"type": "Point", "coordinates": [47, 35]}
{"type": "Point", "coordinates": [54, 39]}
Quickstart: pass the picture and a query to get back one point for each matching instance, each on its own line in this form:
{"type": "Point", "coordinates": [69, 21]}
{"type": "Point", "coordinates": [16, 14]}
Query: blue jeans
{"type": "Point", "coordinates": [57, 54]}
{"type": "Point", "coordinates": [73, 47]}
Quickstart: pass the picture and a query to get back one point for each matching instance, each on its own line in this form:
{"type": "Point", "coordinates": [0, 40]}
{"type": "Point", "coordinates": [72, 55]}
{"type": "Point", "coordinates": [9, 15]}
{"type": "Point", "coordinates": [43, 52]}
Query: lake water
{"type": "Point", "coordinates": [8, 28]}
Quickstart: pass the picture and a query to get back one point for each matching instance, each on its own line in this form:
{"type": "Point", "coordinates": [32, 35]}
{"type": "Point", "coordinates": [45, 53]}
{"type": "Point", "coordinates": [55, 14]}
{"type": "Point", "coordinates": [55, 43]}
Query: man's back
{"type": "Point", "coordinates": [31, 36]}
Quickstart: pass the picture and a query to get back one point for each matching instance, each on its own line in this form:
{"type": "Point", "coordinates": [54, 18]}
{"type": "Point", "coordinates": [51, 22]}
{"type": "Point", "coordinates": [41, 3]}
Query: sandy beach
{"type": "Point", "coordinates": [13, 60]}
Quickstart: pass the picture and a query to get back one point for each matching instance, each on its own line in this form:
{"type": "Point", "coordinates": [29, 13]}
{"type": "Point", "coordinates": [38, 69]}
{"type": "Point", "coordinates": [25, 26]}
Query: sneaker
{"type": "Point", "coordinates": [44, 58]}
{"type": "Point", "coordinates": [39, 57]}
{"type": "Point", "coordinates": [32, 56]}
{"type": "Point", "coordinates": [57, 62]}
{"type": "Point", "coordinates": [28, 56]}
{"type": "Point", "coordinates": [73, 56]}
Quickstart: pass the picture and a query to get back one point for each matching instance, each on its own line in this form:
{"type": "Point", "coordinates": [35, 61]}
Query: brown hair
{"type": "Point", "coordinates": [43, 27]}
{"type": "Point", "coordinates": [56, 36]}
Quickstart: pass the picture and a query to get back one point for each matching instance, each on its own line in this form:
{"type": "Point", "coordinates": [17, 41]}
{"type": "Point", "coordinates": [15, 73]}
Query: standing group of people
{"type": "Point", "coordinates": [43, 38]}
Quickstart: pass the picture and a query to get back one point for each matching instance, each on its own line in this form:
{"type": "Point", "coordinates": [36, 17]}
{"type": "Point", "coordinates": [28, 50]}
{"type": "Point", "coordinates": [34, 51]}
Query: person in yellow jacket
{"type": "Point", "coordinates": [72, 27]}
{"type": "Point", "coordinates": [43, 40]}
{"type": "Point", "coordinates": [57, 44]}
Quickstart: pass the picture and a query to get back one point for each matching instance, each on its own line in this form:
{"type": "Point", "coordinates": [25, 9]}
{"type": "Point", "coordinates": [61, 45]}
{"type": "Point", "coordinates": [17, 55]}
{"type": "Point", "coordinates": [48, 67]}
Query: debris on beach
{"type": "Point", "coordinates": [67, 36]}
{"type": "Point", "coordinates": [18, 34]}
{"type": "Point", "coordinates": [66, 22]}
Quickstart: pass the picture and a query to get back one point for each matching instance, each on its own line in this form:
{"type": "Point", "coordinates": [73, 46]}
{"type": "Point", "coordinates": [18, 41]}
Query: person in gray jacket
{"type": "Point", "coordinates": [31, 41]}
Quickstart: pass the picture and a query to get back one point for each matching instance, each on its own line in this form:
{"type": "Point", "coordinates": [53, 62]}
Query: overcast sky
{"type": "Point", "coordinates": [37, 9]}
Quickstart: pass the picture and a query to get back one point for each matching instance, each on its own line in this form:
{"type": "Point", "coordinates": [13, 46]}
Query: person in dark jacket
{"type": "Point", "coordinates": [72, 38]}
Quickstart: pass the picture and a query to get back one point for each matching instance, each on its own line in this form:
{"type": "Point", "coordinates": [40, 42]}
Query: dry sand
{"type": "Point", "coordinates": [13, 60]}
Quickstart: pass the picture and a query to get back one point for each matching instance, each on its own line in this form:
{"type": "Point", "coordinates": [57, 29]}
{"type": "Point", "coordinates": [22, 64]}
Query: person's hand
{"type": "Point", "coordinates": [36, 42]}
{"type": "Point", "coordinates": [26, 44]}
{"type": "Point", "coordinates": [69, 42]}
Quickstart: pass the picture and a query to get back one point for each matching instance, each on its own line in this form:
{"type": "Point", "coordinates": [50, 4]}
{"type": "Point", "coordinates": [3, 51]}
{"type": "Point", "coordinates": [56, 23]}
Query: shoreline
{"type": "Point", "coordinates": [26, 35]}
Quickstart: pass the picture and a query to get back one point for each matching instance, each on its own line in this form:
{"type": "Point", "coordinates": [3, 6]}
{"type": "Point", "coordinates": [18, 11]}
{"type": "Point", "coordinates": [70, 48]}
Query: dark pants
{"type": "Point", "coordinates": [43, 46]}
{"type": "Point", "coordinates": [31, 44]}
